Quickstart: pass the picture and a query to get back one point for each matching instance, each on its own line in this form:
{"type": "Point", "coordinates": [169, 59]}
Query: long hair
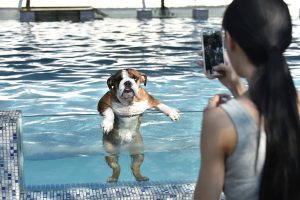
{"type": "Point", "coordinates": [263, 29]}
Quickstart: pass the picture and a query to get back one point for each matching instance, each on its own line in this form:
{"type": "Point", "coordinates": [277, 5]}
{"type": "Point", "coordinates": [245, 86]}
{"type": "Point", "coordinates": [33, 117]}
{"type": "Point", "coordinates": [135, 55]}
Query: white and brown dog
{"type": "Point", "coordinates": [122, 108]}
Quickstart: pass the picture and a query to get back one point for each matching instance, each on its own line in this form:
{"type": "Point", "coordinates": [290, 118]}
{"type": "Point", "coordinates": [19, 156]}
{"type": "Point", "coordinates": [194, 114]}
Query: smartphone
{"type": "Point", "coordinates": [212, 45]}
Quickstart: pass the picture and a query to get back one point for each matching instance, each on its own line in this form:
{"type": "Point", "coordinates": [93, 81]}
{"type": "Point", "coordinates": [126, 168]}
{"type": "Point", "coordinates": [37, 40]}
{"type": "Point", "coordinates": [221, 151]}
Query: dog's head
{"type": "Point", "coordinates": [126, 83]}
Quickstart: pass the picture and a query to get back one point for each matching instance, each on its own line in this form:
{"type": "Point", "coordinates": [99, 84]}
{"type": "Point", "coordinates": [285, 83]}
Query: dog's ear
{"type": "Point", "coordinates": [110, 82]}
{"type": "Point", "coordinates": [143, 78]}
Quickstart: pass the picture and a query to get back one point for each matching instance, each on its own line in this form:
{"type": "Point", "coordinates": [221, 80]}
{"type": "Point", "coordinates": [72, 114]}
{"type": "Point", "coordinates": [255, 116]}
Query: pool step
{"type": "Point", "coordinates": [123, 190]}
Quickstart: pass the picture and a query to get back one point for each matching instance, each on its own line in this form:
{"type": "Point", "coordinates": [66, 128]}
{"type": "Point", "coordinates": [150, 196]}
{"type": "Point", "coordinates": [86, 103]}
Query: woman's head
{"type": "Point", "coordinates": [259, 26]}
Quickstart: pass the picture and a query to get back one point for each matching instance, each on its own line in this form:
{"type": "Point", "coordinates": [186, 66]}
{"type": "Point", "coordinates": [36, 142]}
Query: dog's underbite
{"type": "Point", "coordinates": [122, 108]}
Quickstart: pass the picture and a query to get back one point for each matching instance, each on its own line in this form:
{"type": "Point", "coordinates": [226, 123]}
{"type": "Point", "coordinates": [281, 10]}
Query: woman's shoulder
{"type": "Point", "coordinates": [217, 127]}
{"type": "Point", "coordinates": [220, 117]}
{"type": "Point", "coordinates": [216, 114]}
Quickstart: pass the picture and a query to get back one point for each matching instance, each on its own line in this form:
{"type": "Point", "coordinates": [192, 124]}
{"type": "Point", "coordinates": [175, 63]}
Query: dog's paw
{"type": "Point", "coordinates": [142, 178]}
{"type": "Point", "coordinates": [174, 114]}
{"type": "Point", "coordinates": [112, 180]}
{"type": "Point", "coordinates": [107, 126]}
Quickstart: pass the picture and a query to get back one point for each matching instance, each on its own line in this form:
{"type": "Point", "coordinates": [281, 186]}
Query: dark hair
{"type": "Point", "coordinates": [263, 29]}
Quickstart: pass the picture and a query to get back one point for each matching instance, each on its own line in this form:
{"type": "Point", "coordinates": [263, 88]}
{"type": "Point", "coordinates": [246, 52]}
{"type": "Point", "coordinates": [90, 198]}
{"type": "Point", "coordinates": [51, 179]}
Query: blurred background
{"type": "Point", "coordinates": [114, 3]}
{"type": "Point", "coordinates": [122, 3]}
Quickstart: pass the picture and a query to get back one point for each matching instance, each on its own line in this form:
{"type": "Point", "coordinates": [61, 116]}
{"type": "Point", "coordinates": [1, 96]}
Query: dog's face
{"type": "Point", "coordinates": [126, 83]}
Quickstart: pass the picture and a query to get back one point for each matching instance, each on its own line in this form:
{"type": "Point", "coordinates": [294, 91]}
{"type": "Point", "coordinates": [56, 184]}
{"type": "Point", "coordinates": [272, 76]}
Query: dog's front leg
{"type": "Point", "coordinates": [108, 120]}
{"type": "Point", "coordinates": [171, 112]}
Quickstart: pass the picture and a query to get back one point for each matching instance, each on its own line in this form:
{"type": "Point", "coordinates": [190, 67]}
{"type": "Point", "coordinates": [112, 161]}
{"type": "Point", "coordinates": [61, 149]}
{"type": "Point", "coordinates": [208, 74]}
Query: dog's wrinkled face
{"type": "Point", "coordinates": [126, 83]}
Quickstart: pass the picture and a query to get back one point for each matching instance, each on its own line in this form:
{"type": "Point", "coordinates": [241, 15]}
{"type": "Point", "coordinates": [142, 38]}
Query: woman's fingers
{"type": "Point", "coordinates": [218, 99]}
{"type": "Point", "coordinates": [213, 102]}
{"type": "Point", "coordinates": [200, 53]}
{"type": "Point", "coordinates": [221, 68]}
{"type": "Point", "coordinates": [200, 63]}
{"type": "Point", "coordinates": [209, 76]}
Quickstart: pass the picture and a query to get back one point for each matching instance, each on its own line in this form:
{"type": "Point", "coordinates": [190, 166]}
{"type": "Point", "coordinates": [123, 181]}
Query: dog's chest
{"type": "Point", "coordinates": [127, 122]}
{"type": "Point", "coordinates": [130, 110]}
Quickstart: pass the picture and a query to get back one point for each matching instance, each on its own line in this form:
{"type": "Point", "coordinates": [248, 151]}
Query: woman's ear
{"type": "Point", "coordinates": [229, 41]}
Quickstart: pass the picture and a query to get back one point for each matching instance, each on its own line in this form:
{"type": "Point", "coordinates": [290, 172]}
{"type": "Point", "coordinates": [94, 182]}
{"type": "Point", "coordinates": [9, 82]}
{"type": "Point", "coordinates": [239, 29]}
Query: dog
{"type": "Point", "coordinates": [122, 108]}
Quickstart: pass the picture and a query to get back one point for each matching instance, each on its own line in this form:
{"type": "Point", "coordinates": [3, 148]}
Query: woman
{"type": "Point", "coordinates": [250, 145]}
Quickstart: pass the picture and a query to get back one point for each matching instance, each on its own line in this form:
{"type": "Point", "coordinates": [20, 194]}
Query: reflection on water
{"type": "Point", "coordinates": [59, 70]}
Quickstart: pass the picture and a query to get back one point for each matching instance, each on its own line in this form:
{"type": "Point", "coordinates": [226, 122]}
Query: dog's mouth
{"type": "Point", "coordinates": [128, 93]}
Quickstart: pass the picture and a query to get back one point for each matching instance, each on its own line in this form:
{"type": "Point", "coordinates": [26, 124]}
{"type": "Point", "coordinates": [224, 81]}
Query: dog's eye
{"type": "Point", "coordinates": [136, 79]}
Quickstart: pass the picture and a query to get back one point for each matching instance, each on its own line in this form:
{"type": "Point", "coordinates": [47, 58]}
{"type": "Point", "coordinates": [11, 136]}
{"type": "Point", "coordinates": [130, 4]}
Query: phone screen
{"type": "Point", "coordinates": [212, 50]}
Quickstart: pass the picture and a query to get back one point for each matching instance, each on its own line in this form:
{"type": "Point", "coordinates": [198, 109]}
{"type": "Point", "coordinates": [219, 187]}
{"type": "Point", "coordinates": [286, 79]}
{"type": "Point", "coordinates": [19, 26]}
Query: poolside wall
{"type": "Point", "coordinates": [185, 12]}
{"type": "Point", "coordinates": [10, 155]}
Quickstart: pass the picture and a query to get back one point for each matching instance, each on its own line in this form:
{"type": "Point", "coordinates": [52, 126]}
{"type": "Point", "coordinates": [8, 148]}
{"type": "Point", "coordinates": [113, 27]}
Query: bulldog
{"type": "Point", "coordinates": [122, 108]}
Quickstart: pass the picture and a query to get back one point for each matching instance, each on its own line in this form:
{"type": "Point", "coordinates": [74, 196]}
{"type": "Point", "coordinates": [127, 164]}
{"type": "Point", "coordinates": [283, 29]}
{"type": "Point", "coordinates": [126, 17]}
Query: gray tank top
{"type": "Point", "coordinates": [242, 173]}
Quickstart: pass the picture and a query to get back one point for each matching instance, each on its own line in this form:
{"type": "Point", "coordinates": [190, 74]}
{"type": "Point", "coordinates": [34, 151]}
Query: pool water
{"type": "Point", "coordinates": [56, 72]}
{"type": "Point", "coordinates": [71, 151]}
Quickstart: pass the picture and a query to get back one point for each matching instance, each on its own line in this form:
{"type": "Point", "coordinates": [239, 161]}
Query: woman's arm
{"type": "Point", "coordinates": [217, 141]}
{"type": "Point", "coordinates": [230, 79]}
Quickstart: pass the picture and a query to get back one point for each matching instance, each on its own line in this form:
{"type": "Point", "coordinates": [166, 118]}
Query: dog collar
{"type": "Point", "coordinates": [128, 116]}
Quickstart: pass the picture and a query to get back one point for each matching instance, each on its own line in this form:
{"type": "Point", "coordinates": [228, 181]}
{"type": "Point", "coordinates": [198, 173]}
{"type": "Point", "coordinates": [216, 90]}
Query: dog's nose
{"type": "Point", "coordinates": [127, 84]}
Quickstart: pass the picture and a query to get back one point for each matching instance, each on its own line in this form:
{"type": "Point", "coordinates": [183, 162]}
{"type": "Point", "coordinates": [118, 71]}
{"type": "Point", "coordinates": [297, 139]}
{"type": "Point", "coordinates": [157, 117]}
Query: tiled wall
{"type": "Point", "coordinates": [118, 191]}
{"type": "Point", "coordinates": [9, 155]}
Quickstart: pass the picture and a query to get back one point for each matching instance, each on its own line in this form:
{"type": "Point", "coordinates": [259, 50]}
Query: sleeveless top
{"type": "Point", "coordinates": [244, 166]}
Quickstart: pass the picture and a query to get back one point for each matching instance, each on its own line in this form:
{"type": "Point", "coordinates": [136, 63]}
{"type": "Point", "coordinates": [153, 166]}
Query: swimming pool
{"type": "Point", "coordinates": [56, 72]}
{"type": "Point", "coordinates": [63, 75]}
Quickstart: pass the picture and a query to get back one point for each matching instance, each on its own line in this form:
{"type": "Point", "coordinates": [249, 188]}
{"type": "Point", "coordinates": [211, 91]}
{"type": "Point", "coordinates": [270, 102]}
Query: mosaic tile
{"type": "Point", "coordinates": [122, 191]}
{"type": "Point", "coordinates": [9, 156]}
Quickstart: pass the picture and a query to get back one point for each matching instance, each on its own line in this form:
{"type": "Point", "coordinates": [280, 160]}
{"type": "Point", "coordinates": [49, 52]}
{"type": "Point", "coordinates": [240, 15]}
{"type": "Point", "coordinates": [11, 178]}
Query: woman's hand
{"type": "Point", "coordinates": [218, 99]}
{"type": "Point", "coordinates": [229, 77]}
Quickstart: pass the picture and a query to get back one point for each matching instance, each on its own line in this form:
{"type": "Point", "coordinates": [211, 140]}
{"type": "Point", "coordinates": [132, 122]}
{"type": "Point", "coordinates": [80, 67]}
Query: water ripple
{"type": "Point", "coordinates": [75, 57]}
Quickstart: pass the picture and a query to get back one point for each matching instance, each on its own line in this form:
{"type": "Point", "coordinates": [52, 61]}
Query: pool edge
{"type": "Point", "coordinates": [122, 190]}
